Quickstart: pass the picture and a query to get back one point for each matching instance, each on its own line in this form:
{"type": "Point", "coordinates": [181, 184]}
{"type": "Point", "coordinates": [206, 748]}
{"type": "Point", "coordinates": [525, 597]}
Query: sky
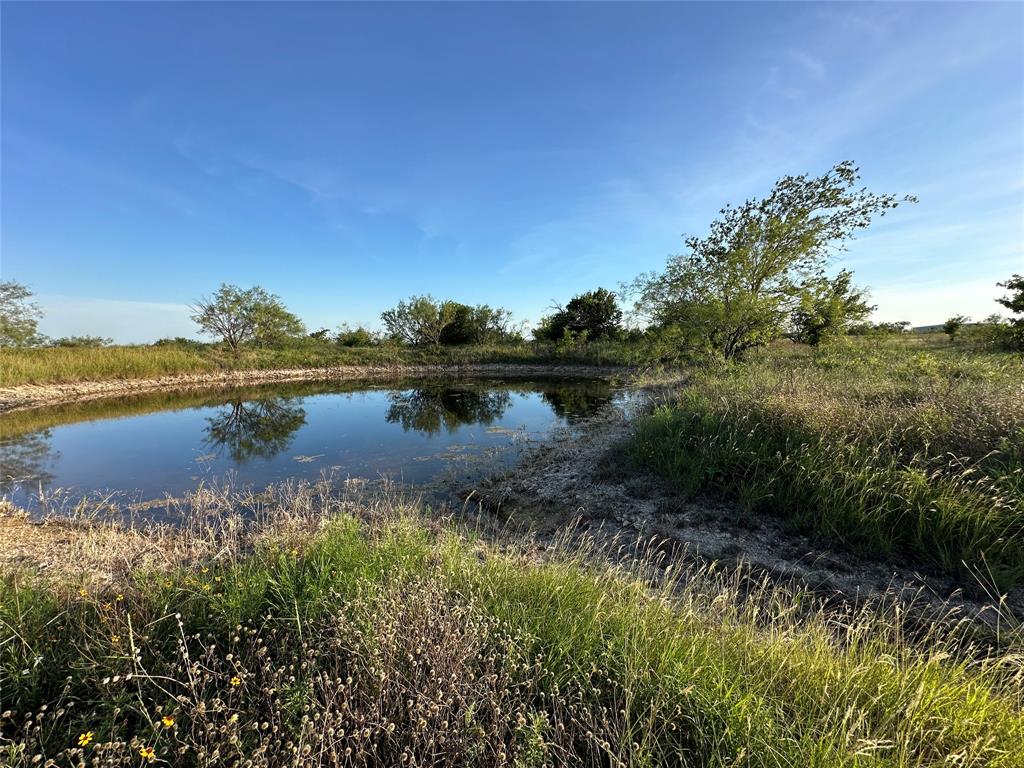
{"type": "Point", "coordinates": [345, 156]}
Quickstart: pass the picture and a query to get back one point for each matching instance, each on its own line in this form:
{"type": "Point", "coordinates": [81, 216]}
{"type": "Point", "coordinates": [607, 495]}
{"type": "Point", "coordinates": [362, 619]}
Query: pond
{"type": "Point", "coordinates": [145, 447]}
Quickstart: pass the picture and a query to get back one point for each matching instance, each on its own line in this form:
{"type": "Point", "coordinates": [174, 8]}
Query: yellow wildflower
{"type": "Point", "coordinates": [85, 739]}
{"type": "Point", "coordinates": [120, 598]}
{"type": "Point", "coordinates": [167, 721]}
{"type": "Point", "coordinates": [207, 587]}
{"type": "Point", "coordinates": [236, 681]}
{"type": "Point", "coordinates": [83, 592]}
{"type": "Point", "coordinates": [148, 753]}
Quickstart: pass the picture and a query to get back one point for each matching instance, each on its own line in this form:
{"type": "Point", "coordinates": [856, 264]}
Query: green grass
{"type": "Point", "coordinates": [912, 451]}
{"type": "Point", "coordinates": [395, 644]}
{"type": "Point", "coordinates": [61, 365]}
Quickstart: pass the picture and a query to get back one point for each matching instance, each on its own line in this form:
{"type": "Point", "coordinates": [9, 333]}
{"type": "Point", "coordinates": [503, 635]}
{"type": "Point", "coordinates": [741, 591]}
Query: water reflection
{"type": "Point", "coordinates": [429, 409]}
{"type": "Point", "coordinates": [581, 401]}
{"type": "Point", "coordinates": [153, 444]}
{"type": "Point", "coordinates": [26, 460]}
{"type": "Point", "coordinates": [255, 428]}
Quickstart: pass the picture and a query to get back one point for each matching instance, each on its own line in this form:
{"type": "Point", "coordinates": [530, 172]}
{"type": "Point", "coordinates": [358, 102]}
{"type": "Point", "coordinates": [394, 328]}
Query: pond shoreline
{"type": "Point", "coordinates": [27, 396]}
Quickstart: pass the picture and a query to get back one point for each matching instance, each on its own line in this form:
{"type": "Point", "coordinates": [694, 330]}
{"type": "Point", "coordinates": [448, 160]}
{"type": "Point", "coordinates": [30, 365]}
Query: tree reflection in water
{"type": "Point", "coordinates": [249, 429]}
{"type": "Point", "coordinates": [25, 461]}
{"type": "Point", "coordinates": [428, 409]}
{"type": "Point", "coordinates": [578, 400]}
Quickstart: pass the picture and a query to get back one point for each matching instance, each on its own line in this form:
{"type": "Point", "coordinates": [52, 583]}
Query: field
{"type": "Point", "coordinates": [61, 365]}
{"type": "Point", "coordinates": [325, 633]}
{"type": "Point", "coordinates": [889, 449]}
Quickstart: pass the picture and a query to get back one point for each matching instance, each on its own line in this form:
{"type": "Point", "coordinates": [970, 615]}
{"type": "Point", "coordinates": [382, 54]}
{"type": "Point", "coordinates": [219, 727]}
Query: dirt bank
{"type": "Point", "coordinates": [578, 478]}
{"type": "Point", "coordinates": [37, 395]}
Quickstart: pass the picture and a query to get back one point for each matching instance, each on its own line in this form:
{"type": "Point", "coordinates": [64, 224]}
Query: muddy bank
{"type": "Point", "coordinates": [37, 395]}
{"type": "Point", "coordinates": [578, 479]}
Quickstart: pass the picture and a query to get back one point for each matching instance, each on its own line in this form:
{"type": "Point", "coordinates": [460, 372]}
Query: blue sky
{"type": "Point", "coordinates": [346, 156]}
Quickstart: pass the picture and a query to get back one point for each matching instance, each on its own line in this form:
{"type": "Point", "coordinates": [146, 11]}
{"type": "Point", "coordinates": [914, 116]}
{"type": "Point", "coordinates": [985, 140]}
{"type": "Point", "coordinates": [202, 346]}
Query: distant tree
{"type": "Point", "coordinates": [19, 316]}
{"type": "Point", "coordinates": [592, 315]}
{"type": "Point", "coordinates": [737, 287]}
{"type": "Point", "coordinates": [893, 328]}
{"type": "Point", "coordinates": [420, 320]}
{"type": "Point", "coordinates": [82, 341]}
{"type": "Point", "coordinates": [355, 337]}
{"type": "Point", "coordinates": [827, 308]}
{"type": "Point", "coordinates": [953, 325]}
{"type": "Point", "coordinates": [321, 334]}
{"type": "Point", "coordinates": [481, 324]}
{"type": "Point", "coordinates": [241, 316]}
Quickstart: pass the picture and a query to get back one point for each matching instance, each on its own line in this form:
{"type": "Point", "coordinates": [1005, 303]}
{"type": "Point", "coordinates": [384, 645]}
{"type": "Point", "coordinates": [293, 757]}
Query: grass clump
{"type": "Point", "coordinates": [393, 641]}
{"type": "Point", "coordinates": [883, 448]}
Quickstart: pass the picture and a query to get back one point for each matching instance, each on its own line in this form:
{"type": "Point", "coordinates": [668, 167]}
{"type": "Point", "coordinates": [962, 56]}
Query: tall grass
{"type": "Point", "coordinates": [883, 449]}
{"type": "Point", "coordinates": [60, 365]}
{"type": "Point", "coordinates": [394, 641]}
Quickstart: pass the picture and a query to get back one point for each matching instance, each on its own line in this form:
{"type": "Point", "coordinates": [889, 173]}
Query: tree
{"type": "Point", "coordinates": [91, 342]}
{"type": "Point", "coordinates": [827, 308]}
{"type": "Point", "coordinates": [19, 315]}
{"type": "Point", "coordinates": [593, 315]}
{"type": "Point", "coordinates": [1014, 337]}
{"type": "Point", "coordinates": [737, 287]}
{"type": "Point", "coordinates": [952, 326]}
{"type": "Point", "coordinates": [481, 324]}
{"type": "Point", "coordinates": [241, 316]}
{"type": "Point", "coordinates": [420, 320]}
{"type": "Point", "coordinates": [355, 337]}
{"type": "Point", "coordinates": [1015, 301]}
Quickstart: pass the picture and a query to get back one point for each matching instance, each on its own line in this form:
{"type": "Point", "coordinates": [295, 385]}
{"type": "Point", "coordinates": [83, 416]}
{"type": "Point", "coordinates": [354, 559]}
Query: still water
{"type": "Point", "coordinates": [147, 446]}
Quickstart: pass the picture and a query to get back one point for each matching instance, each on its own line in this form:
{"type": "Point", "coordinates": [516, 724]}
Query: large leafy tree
{"type": "Point", "coordinates": [481, 324]}
{"type": "Point", "coordinates": [420, 320]}
{"type": "Point", "coordinates": [242, 316]}
{"type": "Point", "coordinates": [19, 315]}
{"type": "Point", "coordinates": [595, 314]}
{"type": "Point", "coordinates": [738, 286]}
{"type": "Point", "coordinates": [827, 308]}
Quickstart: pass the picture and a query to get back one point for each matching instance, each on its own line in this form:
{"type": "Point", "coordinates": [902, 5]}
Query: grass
{"type": "Point", "coordinates": [62, 365]}
{"type": "Point", "coordinates": [882, 448]}
{"type": "Point", "coordinates": [301, 628]}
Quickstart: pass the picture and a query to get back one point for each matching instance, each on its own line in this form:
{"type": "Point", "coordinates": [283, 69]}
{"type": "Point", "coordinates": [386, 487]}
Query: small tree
{"type": "Point", "coordinates": [241, 316]}
{"type": "Point", "coordinates": [738, 286]}
{"type": "Point", "coordinates": [1015, 303]}
{"type": "Point", "coordinates": [953, 325]}
{"type": "Point", "coordinates": [827, 308]}
{"type": "Point", "coordinates": [19, 316]}
{"type": "Point", "coordinates": [86, 342]}
{"type": "Point", "coordinates": [355, 337]}
{"type": "Point", "coordinates": [419, 320]}
{"type": "Point", "coordinates": [593, 315]}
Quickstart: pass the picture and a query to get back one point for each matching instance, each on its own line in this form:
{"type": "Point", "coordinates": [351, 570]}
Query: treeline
{"type": "Point", "coordinates": [760, 274]}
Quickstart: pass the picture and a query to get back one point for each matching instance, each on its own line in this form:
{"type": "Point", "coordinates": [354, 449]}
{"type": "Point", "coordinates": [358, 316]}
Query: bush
{"type": "Point", "coordinates": [90, 342]}
{"type": "Point", "coordinates": [356, 337]}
